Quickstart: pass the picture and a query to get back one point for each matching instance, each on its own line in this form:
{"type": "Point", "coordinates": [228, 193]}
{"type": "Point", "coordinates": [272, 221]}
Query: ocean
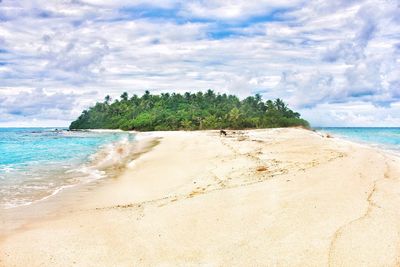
{"type": "Point", "coordinates": [36, 163]}
{"type": "Point", "coordinates": [385, 138]}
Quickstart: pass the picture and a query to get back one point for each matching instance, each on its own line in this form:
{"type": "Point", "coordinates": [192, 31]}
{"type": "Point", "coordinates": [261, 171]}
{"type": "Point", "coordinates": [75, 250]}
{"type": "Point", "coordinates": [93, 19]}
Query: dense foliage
{"type": "Point", "coordinates": [190, 111]}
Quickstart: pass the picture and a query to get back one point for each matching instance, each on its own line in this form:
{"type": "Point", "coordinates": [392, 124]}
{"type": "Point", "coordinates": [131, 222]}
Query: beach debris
{"type": "Point", "coordinates": [262, 169]}
{"type": "Point", "coordinates": [198, 191]}
{"type": "Point", "coordinates": [120, 150]}
{"type": "Point", "coordinates": [222, 132]}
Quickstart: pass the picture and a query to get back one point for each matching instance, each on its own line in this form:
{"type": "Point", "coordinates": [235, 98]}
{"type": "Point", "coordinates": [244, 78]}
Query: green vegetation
{"type": "Point", "coordinates": [190, 111]}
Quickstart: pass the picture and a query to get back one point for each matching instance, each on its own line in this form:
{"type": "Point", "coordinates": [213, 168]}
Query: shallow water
{"type": "Point", "coordinates": [36, 163]}
{"type": "Point", "coordinates": [386, 138]}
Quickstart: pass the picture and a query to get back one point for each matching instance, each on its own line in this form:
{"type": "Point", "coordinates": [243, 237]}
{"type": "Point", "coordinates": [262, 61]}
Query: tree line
{"type": "Point", "coordinates": [188, 111]}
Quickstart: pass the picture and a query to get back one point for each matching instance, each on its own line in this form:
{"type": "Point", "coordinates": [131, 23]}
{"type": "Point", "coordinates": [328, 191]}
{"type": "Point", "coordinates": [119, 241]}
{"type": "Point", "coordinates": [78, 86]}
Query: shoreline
{"type": "Point", "coordinates": [44, 171]}
{"type": "Point", "coordinates": [64, 197]}
{"type": "Point", "coordinates": [386, 148]}
{"type": "Point", "coordinates": [285, 196]}
{"type": "Point", "coordinates": [93, 168]}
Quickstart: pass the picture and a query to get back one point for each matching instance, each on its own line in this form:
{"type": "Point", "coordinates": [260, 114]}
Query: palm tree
{"type": "Point", "coordinates": [107, 99]}
{"type": "Point", "coordinates": [234, 116]}
{"type": "Point", "coordinates": [124, 96]}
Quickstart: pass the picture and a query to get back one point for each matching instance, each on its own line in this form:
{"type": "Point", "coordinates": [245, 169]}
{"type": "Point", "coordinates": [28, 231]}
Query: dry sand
{"type": "Point", "coordinates": [278, 197]}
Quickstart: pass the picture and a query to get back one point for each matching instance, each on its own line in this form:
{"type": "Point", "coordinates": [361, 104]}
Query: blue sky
{"type": "Point", "coordinates": [336, 62]}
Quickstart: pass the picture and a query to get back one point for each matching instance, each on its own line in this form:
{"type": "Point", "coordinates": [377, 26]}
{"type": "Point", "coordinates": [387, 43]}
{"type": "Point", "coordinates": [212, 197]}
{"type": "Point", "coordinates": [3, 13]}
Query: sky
{"type": "Point", "coordinates": [335, 62]}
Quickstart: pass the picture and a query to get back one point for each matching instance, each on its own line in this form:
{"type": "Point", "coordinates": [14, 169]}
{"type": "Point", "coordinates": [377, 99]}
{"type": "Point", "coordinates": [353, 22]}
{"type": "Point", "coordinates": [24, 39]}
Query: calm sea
{"type": "Point", "coordinates": [36, 163]}
{"type": "Point", "coordinates": [386, 138]}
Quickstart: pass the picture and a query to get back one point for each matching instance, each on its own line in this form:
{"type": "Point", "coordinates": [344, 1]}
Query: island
{"type": "Point", "coordinates": [188, 111]}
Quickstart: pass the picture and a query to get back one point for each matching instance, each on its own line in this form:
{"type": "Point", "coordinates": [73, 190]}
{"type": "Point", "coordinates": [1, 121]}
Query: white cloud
{"type": "Point", "coordinates": [234, 9]}
{"type": "Point", "coordinates": [315, 54]}
{"type": "Point", "coordinates": [354, 114]}
{"type": "Point", "coordinates": [37, 105]}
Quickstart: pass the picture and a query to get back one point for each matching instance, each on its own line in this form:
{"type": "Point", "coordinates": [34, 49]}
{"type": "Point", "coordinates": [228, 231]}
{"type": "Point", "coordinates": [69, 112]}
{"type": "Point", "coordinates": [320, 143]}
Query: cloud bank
{"type": "Point", "coordinates": [337, 62]}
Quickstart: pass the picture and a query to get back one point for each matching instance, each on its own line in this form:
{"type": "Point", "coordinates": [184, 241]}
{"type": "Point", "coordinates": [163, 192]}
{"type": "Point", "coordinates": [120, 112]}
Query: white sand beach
{"type": "Point", "coordinates": [274, 197]}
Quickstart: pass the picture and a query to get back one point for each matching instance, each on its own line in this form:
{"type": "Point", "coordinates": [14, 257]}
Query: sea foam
{"type": "Point", "coordinates": [39, 163]}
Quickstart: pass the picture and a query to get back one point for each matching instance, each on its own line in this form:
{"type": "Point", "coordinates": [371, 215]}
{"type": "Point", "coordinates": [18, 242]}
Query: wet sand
{"type": "Point", "coordinates": [275, 197]}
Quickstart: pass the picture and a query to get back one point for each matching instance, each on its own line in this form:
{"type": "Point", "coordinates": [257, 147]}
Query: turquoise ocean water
{"type": "Point", "coordinates": [36, 163]}
{"type": "Point", "coordinates": [386, 138]}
